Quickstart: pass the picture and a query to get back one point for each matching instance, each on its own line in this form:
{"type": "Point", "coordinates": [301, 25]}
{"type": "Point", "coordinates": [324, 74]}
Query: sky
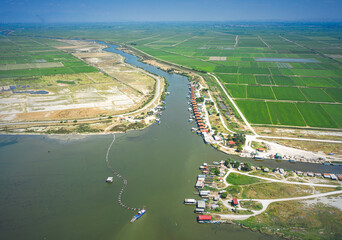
{"type": "Point", "coordinates": [54, 11]}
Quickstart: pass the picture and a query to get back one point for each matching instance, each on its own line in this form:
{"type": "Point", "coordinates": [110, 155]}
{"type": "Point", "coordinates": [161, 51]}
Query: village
{"type": "Point", "coordinates": [229, 189]}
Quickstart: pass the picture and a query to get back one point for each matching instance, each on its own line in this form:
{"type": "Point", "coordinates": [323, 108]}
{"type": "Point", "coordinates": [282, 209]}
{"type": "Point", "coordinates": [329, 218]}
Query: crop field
{"type": "Point", "coordinates": [255, 111]}
{"type": "Point", "coordinates": [283, 113]}
{"type": "Point", "coordinates": [260, 92]}
{"type": "Point", "coordinates": [274, 72]}
{"type": "Point", "coordinates": [316, 95]}
{"type": "Point", "coordinates": [288, 93]}
{"type": "Point", "coordinates": [25, 56]}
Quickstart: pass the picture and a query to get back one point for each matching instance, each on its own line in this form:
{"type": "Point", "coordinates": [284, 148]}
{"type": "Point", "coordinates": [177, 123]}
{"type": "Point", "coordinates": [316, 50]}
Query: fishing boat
{"type": "Point", "coordinates": [136, 217]}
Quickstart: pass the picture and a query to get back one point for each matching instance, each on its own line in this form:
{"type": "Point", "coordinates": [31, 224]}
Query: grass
{"type": "Point", "coordinates": [297, 220]}
{"type": "Point", "coordinates": [234, 191]}
{"type": "Point", "coordinates": [274, 190]}
{"type": "Point", "coordinates": [238, 179]}
{"type": "Point", "coordinates": [251, 205]}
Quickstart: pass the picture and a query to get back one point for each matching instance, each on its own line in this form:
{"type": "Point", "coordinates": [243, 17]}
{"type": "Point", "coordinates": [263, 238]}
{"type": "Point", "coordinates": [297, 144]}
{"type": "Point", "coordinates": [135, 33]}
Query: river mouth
{"type": "Point", "coordinates": [55, 189]}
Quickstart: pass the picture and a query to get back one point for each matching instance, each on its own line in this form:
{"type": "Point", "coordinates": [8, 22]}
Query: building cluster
{"type": "Point", "coordinates": [202, 127]}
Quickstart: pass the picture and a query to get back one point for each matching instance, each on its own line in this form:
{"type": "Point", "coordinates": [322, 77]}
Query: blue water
{"type": "Point", "coordinates": [290, 60]}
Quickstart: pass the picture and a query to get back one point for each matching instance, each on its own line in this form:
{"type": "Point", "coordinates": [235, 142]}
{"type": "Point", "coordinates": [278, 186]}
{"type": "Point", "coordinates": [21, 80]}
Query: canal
{"type": "Point", "coordinates": [53, 187]}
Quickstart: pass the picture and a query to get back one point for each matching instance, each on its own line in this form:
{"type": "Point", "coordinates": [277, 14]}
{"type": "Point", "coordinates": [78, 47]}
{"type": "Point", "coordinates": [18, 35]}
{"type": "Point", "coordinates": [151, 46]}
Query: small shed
{"type": "Point", "coordinates": [333, 177]}
{"type": "Point", "coordinates": [214, 206]}
{"type": "Point", "coordinates": [326, 175]}
{"type": "Point", "coordinates": [235, 202]}
{"type": "Point", "coordinates": [201, 204]}
{"type": "Point", "coordinates": [204, 193]}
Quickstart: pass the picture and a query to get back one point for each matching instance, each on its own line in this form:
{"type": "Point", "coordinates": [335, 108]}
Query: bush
{"type": "Point", "coordinates": [224, 195]}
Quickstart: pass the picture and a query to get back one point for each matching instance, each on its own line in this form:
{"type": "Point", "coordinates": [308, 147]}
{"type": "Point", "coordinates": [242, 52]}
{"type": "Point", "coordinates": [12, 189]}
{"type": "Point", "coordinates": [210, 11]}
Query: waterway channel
{"type": "Point", "coordinates": [53, 187]}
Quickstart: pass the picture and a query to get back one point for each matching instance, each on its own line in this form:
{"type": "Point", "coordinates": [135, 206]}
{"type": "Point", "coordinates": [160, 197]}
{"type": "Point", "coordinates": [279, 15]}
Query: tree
{"type": "Point", "coordinates": [236, 164]}
{"type": "Point", "coordinates": [247, 166]}
{"type": "Point", "coordinates": [224, 195]}
{"type": "Point", "coordinates": [217, 171]}
{"type": "Point", "coordinates": [239, 148]}
{"type": "Point", "coordinates": [200, 99]}
{"type": "Point", "coordinates": [239, 138]}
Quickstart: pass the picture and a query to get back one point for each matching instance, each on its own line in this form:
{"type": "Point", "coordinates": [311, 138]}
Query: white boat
{"type": "Point", "coordinates": [109, 180]}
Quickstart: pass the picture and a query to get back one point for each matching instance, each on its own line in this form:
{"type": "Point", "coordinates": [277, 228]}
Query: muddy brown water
{"type": "Point", "coordinates": [54, 187]}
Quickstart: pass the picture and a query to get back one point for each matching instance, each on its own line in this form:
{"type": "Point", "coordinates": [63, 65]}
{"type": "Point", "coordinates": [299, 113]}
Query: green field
{"type": "Point", "coordinates": [315, 115]}
{"type": "Point", "coordinates": [237, 91]}
{"type": "Point", "coordinates": [255, 111]}
{"type": "Point", "coordinates": [283, 113]}
{"type": "Point", "coordinates": [260, 92]}
{"type": "Point", "coordinates": [29, 56]}
{"type": "Point", "coordinates": [311, 72]}
{"type": "Point", "coordinates": [316, 95]}
{"type": "Point", "coordinates": [288, 93]}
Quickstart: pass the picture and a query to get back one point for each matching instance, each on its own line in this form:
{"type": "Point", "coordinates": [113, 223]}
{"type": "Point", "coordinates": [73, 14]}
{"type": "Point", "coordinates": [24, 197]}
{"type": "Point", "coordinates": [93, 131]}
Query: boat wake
{"type": "Point", "coordinates": [124, 185]}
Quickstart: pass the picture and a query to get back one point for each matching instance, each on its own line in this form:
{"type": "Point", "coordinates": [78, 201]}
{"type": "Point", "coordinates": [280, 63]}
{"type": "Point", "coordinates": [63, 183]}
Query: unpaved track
{"type": "Point", "coordinates": [234, 104]}
{"type": "Point", "coordinates": [266, 202]}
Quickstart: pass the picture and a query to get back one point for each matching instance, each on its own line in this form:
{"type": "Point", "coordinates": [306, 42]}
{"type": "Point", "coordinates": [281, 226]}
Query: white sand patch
{"type": "Point", "coordinates": [8, 117]}
{"type": "Point", "coordinates": [217, 58]}
{"type": "Point", "coordinates": [335, 201]}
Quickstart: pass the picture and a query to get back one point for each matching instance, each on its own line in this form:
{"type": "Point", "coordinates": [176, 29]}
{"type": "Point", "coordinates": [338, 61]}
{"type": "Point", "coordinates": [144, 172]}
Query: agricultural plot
{"type": "Point", "coordinates": [263, 80]}
{"type": "Point", "coordinates": [335, 112]}
{"type": "Point", "coordinates": [237, 91]}
{"type": "Point", "coordinates": [288, 93]}
{"type": "Point", "coordinates": [260, 92]}
{"type": "Point", "coordinates": [283, 113]}
{"type": "Point", "coordinates": [255, 111]}
{"type": "Point", "coordinates": [315, 115]}
{"type": "Point", "coordinates": [316, 95]}
{"type": "Point", "coordinates": [335, 93]}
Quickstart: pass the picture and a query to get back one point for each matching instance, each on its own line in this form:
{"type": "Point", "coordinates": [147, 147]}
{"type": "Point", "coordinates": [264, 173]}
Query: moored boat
{"type": "Point", "coordinates": [136, 217]}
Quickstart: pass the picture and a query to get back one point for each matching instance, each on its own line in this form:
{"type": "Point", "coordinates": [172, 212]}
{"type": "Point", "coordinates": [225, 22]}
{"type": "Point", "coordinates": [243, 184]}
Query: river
{"type": "Point", "coordinates": [53, 187]}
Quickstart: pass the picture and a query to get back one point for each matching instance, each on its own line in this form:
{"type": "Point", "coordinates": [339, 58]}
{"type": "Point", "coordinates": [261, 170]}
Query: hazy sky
{"type": "Point", "coordinates": [167, 10]}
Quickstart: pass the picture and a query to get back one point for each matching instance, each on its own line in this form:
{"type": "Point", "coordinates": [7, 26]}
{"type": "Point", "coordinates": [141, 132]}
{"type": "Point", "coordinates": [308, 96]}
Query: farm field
{"type": "Point", "coordinates": [262, 67]}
